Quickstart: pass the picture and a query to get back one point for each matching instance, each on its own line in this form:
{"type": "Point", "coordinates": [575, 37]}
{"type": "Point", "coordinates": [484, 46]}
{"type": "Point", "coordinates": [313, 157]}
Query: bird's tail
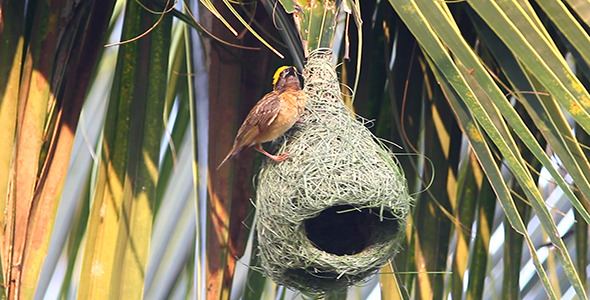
{"type": "Point", "coordinates": [229, 156]}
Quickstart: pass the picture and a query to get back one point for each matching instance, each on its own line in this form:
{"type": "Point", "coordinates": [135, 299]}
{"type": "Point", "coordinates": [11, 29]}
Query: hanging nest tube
{"type": "Point", "coordinates": [333, 213]}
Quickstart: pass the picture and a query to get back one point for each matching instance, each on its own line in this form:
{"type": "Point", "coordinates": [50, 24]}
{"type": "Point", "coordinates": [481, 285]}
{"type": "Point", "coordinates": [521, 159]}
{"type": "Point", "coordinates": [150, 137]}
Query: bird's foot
{"type": "Point", "coordinates": [273, 157]}
{"type": "Point", "coordinates": [280, 157]}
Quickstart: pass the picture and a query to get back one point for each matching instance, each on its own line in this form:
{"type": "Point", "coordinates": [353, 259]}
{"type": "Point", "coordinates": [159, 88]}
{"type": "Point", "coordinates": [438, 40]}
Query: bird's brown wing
{"type": "Point", "coordinates": [259, 119]}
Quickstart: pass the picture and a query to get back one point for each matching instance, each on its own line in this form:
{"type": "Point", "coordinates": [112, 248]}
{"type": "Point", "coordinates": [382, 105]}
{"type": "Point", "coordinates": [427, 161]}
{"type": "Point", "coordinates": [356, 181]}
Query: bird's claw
{"type": "Point", "coordinates": [281, 157]}
{"type": "Point", "coordinates": [273, 157]}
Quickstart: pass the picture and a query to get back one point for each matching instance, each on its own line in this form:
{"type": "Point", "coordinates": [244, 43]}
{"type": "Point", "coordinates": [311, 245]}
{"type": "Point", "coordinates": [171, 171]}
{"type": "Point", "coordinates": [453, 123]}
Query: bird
{"type": "Point", "coordinates": [272, 115]}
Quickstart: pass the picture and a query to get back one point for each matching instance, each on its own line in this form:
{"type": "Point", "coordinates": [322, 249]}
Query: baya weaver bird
{"type": "Point", "coordinates": [272, 116]}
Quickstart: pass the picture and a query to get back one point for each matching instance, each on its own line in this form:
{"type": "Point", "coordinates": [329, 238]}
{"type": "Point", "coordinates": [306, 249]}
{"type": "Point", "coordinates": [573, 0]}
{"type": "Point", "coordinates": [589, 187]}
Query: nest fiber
{"type": "Point", "coordinates": [333, 212]}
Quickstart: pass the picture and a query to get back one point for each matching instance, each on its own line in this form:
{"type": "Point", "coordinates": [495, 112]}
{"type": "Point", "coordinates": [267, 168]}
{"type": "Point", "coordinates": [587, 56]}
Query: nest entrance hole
{"type": "Point", "coordinates": [346, 230]}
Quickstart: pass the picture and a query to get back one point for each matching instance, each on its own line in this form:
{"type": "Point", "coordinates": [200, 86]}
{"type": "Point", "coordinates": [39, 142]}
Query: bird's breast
{"type": "Point", "coordinates": [292, 106]}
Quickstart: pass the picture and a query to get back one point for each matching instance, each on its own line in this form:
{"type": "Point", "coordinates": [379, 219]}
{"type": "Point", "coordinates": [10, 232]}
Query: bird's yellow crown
{"type": "Point", "coordinates": [275, 77]}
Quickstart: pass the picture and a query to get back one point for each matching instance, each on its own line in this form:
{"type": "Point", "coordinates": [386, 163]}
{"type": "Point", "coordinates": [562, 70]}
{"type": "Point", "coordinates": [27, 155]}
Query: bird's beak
{"type": "Point", "coordinates": [292, 71]}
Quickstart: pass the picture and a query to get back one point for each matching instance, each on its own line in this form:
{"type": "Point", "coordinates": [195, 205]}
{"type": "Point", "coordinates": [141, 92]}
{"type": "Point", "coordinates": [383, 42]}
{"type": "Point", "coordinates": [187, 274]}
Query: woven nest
{"type": "Point", "coordinates": [333, 212]}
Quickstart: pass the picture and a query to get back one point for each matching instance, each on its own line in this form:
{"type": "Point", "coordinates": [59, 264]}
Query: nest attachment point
{"type": "Point", "coordinates": [333, 212]}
